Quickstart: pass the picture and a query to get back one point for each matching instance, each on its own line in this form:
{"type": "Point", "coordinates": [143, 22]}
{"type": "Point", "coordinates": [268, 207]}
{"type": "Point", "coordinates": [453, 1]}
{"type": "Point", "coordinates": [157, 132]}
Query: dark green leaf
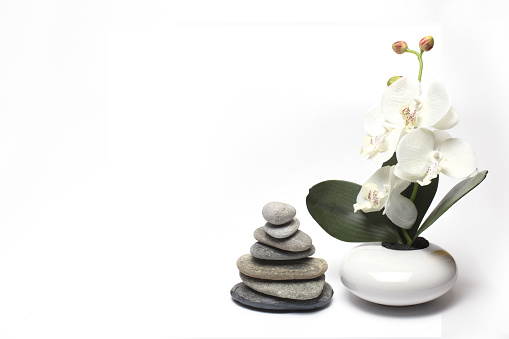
{"type": "Point", "coordinates": [455, 194]}
{"type": "Point", "coordinates": [331, 202]}
{"type": "Point", "coordinates": [392, 161]}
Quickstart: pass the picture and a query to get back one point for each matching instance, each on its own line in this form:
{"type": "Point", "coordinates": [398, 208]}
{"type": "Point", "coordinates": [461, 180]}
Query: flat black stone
{"type": "Point", "coordinates": [418, 244]}
{"type": "Point", "coordinates": [247, 296]}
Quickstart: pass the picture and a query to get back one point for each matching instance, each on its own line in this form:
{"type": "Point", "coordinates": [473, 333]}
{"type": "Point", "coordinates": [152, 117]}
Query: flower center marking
{"type": "Point", "coordinates": [372, 194]}
{"type": "Point", "coordinates": [373, 198]}
{"type": "Point", "coordinates": [433, 170]}
{"type": "Point", "coordinates": [377, 143]}
{"type": "Point", "coordinates": [409, 114]}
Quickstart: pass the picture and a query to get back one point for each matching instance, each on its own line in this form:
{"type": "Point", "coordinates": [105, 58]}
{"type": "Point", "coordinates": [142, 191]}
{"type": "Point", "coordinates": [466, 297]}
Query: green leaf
{"type": "Point", "coordinates": [392, 161]}
{"type": "Point", "coordinates": [423, 200]}
{"type": "Point", "coordinates": [455, 194]}
{"type": "Point", "coordinates": [331, 202]}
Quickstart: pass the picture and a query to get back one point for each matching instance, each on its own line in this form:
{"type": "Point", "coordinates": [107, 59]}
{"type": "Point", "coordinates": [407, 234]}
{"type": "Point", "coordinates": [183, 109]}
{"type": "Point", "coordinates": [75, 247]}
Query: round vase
{"type": "Point", "coordinates": [398, 277]}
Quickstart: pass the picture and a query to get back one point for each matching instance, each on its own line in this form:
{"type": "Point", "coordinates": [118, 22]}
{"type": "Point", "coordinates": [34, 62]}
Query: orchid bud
{"type": "Point", "coordinates": [426, 43]}
{"type": "Point", "coordinates": [393, 80]}
{"type": "Point", "coordinates": [399, 47]}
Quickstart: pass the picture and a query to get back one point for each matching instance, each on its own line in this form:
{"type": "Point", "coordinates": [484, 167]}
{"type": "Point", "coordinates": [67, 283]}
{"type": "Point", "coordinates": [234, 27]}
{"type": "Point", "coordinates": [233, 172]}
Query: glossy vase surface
{"type": "Point", "coordinates": [397, 277]}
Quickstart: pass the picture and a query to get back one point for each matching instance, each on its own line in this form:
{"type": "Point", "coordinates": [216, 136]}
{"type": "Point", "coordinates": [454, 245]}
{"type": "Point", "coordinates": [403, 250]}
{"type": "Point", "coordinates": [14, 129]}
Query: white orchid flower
{"type": "Point", "coordinates": [383, 189]}
{"type": "Point", "coordinates": [383, 137]}
{"type": "Point", "coordinates": [402, 109]}
{"type": "Point", "coordinates": [423, 154]}
{"type": "Point", "coordinates": [402, 104]}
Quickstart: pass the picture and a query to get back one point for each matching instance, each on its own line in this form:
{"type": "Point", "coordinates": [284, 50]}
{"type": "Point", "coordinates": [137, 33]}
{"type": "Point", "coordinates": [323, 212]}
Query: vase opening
{"type": "Point", "coordinates": [418, 244]}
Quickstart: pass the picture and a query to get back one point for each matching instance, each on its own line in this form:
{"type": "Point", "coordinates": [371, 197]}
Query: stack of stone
{"type": "Point", "coordinates": [278, 274]}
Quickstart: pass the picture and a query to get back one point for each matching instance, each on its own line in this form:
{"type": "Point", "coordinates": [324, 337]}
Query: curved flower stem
{"type": "Point", "coordinates": [419, 57]}
{"type": "Point", "coordinates": [420, 65]}
{"type": "Point", "coordinates": [414, 192]}
{"type": "Point", "coordinates": [407, 237]}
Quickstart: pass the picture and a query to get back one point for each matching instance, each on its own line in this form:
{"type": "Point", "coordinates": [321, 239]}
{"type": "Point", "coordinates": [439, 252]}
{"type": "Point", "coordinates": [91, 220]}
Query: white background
{"type": "Point", "coordinates": [140, 140]}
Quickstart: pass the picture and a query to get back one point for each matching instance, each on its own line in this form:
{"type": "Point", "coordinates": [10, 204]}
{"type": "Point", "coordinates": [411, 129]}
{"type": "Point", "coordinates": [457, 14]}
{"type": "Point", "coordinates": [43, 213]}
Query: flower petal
{"type": "Point", "coordinates": [437, 104]}
{"type": "Point", "coordinates": [413, 152]}
{"type": "Point", "coordinates": [399, 185]}
{"type": "Point", "coordinates": [474, 173]}
{"type": "Point", "coordinates": [391, 142]}
{"type": "Point", "coordinates": [364, 205]}
{"type": "Point", "coordinates": [450, 120]}
{"type": "Point", "coordinates": [440, 137]}
{"type": "Point", "coordinates": [401, 211]}
{"type": "Point", "coordinates": [459, 158]}
{"type": "Point", "coordinates": [380, 179]}
{"type": "Point", "coordinates": [373, 121]}
{"type": "Point", "coordinates": [399, 94]}
{"type": "Point", "coordinates": [404, 175]}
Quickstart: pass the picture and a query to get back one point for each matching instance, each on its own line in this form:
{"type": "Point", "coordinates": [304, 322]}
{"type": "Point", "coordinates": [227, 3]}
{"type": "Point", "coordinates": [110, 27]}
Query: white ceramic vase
{"type": "Point", "coordinates": [396, 277]}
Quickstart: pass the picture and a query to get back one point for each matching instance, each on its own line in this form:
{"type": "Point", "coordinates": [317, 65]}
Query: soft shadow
{"type": "Point", "coordinates": [447, 301]}
{"type": "Point", "coordinates": [281, 311]}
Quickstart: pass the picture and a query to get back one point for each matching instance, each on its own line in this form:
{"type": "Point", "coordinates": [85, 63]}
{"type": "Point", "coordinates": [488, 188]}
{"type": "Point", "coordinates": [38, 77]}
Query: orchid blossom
{"type": "Point", "coordinates": [382, 138]}
{"type": "Point", "coordinates": [402, 104]}
{"type": "Point", "coordinates": [423, 154]}
{"type": "Point", "coordinates": [401, 124]}
{"type": "Point", "coordinates": [383, 190]}
{"type": "Point", "coordinates": [402, 109]}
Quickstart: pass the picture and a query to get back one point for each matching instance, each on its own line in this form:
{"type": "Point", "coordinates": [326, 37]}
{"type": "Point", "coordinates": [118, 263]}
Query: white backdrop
{"type": "Point", "coordinates": [140, 140]}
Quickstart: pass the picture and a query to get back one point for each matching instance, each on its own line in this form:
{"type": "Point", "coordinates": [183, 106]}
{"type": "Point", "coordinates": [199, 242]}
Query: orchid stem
{"type": "Point", "coordinates": [412, 198]}
{"type": "Point", "coordinates": [419, 57]}
{"type": "Point", "coordinates": [414, 192]}
{"type": "Point", "coordinates": [416, 185]}
{"type": "Point", "coordinates": [421, 65]}
{"type": "Point", "coordinates": [407, 237]}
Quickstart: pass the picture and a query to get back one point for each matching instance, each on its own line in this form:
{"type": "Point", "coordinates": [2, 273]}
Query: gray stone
{"type": "Point", "coordinates": [247, 296]}
{"type": "Point", "coordinates": [290, 289]}
{"type": "Point", "coordinates": [262, 251]}
{"type": "Point", "coordinates": [278, 213]}
{"type": "Point", "coordinates": [307, 268]}
{"type": "Point", "coordinates": [282, 231]}
{"type": "Point", "coordinates": [297, 242]}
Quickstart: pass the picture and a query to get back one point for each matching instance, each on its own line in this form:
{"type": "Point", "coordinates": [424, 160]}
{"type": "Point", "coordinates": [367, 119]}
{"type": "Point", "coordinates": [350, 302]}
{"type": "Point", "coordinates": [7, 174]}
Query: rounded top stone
{"type": "Point", "coordinates": [278, 213]}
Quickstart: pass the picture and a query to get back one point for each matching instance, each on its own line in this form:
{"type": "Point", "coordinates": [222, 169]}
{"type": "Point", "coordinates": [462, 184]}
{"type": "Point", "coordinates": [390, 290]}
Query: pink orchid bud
{"type": "Point", "coordinates": [393, 79]}
{"type": "Point", "coordinates": [399, 47]}
{"type": "Point", "coordinates": [426, 43]}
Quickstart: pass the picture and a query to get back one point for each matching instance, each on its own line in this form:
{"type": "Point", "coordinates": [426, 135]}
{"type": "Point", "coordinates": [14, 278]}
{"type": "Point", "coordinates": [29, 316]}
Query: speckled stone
{"type": "Point", "coordinates": [278, 213]}
{"type": "Point", "coordinates": [297, 242]}
{"type": "Point", "coordinates": [262, 251]}
{"type": "Point", "coordinates": [282, 231]}
{"type": "Point", "coordinates": [290, 289]}
{"type": "Point", "coordinates": [307, 268]}
{"type": "Point", "coordinates": [247, 296]}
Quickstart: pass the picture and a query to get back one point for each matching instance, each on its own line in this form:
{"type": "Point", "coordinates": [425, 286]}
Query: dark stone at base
{"type": "Point", "coordinates": [250, 297]}
{"type": "Point", "coordinates": [418, 244]}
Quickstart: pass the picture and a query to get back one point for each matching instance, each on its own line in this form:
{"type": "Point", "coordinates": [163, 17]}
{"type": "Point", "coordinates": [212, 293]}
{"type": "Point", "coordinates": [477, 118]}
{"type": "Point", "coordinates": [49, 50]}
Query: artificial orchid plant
{"type": "Point", "coordinates": [406, 133]}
